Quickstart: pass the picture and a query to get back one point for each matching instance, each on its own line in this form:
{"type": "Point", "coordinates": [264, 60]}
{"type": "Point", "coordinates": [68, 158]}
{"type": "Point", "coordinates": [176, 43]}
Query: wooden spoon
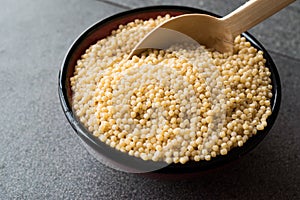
{"type": "Point", "coordinates": [213, 32]}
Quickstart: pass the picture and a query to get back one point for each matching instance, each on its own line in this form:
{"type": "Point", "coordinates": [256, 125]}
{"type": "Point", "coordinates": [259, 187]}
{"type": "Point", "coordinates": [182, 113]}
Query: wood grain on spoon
{"type": "Point", "coordinates": [213, 32]}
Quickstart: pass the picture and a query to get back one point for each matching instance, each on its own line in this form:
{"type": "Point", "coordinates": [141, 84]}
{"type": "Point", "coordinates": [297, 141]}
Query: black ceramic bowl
{"type": "Point", "coordinates": [123, 161]}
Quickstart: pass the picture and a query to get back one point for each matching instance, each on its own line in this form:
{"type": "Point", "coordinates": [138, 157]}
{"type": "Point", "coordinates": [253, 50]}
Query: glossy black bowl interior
{"type": "Point", "coordinates": [102, 29]}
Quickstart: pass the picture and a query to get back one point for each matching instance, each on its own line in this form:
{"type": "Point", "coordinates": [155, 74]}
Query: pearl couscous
{"type": "Point", "coordinates": [175, 105]}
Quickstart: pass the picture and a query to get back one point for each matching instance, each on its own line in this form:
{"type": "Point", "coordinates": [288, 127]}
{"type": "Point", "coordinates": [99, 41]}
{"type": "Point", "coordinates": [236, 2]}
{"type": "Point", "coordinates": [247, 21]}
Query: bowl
{"type": "Point", "coordinates": [123, 161]}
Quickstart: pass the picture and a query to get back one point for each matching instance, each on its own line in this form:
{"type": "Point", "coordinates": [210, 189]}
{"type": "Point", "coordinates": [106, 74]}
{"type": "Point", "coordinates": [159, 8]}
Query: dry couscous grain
{"type": "Point", "coordinates": [175, 105]}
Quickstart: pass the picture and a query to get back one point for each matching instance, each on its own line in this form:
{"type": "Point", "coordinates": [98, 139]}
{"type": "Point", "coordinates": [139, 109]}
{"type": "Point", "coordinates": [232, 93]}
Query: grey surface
{"type": "Point", "coordinates": [40, 157]}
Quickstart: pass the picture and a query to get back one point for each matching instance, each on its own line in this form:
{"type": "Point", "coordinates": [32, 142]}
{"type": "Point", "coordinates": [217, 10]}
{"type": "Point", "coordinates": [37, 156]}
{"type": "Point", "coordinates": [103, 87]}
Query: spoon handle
{"type": "Point", "coordinates": [252, 13]}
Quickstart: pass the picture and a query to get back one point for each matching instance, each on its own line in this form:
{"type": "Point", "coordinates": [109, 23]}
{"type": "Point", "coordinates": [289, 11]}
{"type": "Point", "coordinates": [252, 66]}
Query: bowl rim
{"type": "Point", "coordinates": [192, 167]}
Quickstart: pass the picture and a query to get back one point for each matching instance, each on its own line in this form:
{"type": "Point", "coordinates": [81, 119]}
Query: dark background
{"type": "Point", "coordinates": [40, 157]}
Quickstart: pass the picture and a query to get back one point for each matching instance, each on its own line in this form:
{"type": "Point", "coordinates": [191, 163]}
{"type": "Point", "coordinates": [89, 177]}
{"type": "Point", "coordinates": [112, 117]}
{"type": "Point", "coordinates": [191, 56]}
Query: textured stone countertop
{"type": "Point", "coordinates": [40, 156]}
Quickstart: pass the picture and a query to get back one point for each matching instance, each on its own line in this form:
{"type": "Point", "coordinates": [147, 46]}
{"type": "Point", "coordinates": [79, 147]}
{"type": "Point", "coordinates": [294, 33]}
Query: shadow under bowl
{"type": "Point", "coordinates": [123, 161]}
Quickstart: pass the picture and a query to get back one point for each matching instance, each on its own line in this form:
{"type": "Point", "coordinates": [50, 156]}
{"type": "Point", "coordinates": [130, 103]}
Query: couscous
{"type": "Point", "coordinates": [174, 105]}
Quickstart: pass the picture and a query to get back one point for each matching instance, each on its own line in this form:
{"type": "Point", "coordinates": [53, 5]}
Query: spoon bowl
{"type": "Point", "coordinates": [182, 28]}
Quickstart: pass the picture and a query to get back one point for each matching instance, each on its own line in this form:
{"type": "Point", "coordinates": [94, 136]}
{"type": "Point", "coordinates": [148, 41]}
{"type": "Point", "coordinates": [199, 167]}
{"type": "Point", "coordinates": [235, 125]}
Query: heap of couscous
{"type": "Point", "coordinates": [174, 105]}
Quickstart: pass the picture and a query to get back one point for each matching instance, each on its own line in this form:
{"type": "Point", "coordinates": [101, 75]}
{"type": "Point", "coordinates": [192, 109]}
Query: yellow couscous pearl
{"type": "Point", "coordinates": [179, 104]}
